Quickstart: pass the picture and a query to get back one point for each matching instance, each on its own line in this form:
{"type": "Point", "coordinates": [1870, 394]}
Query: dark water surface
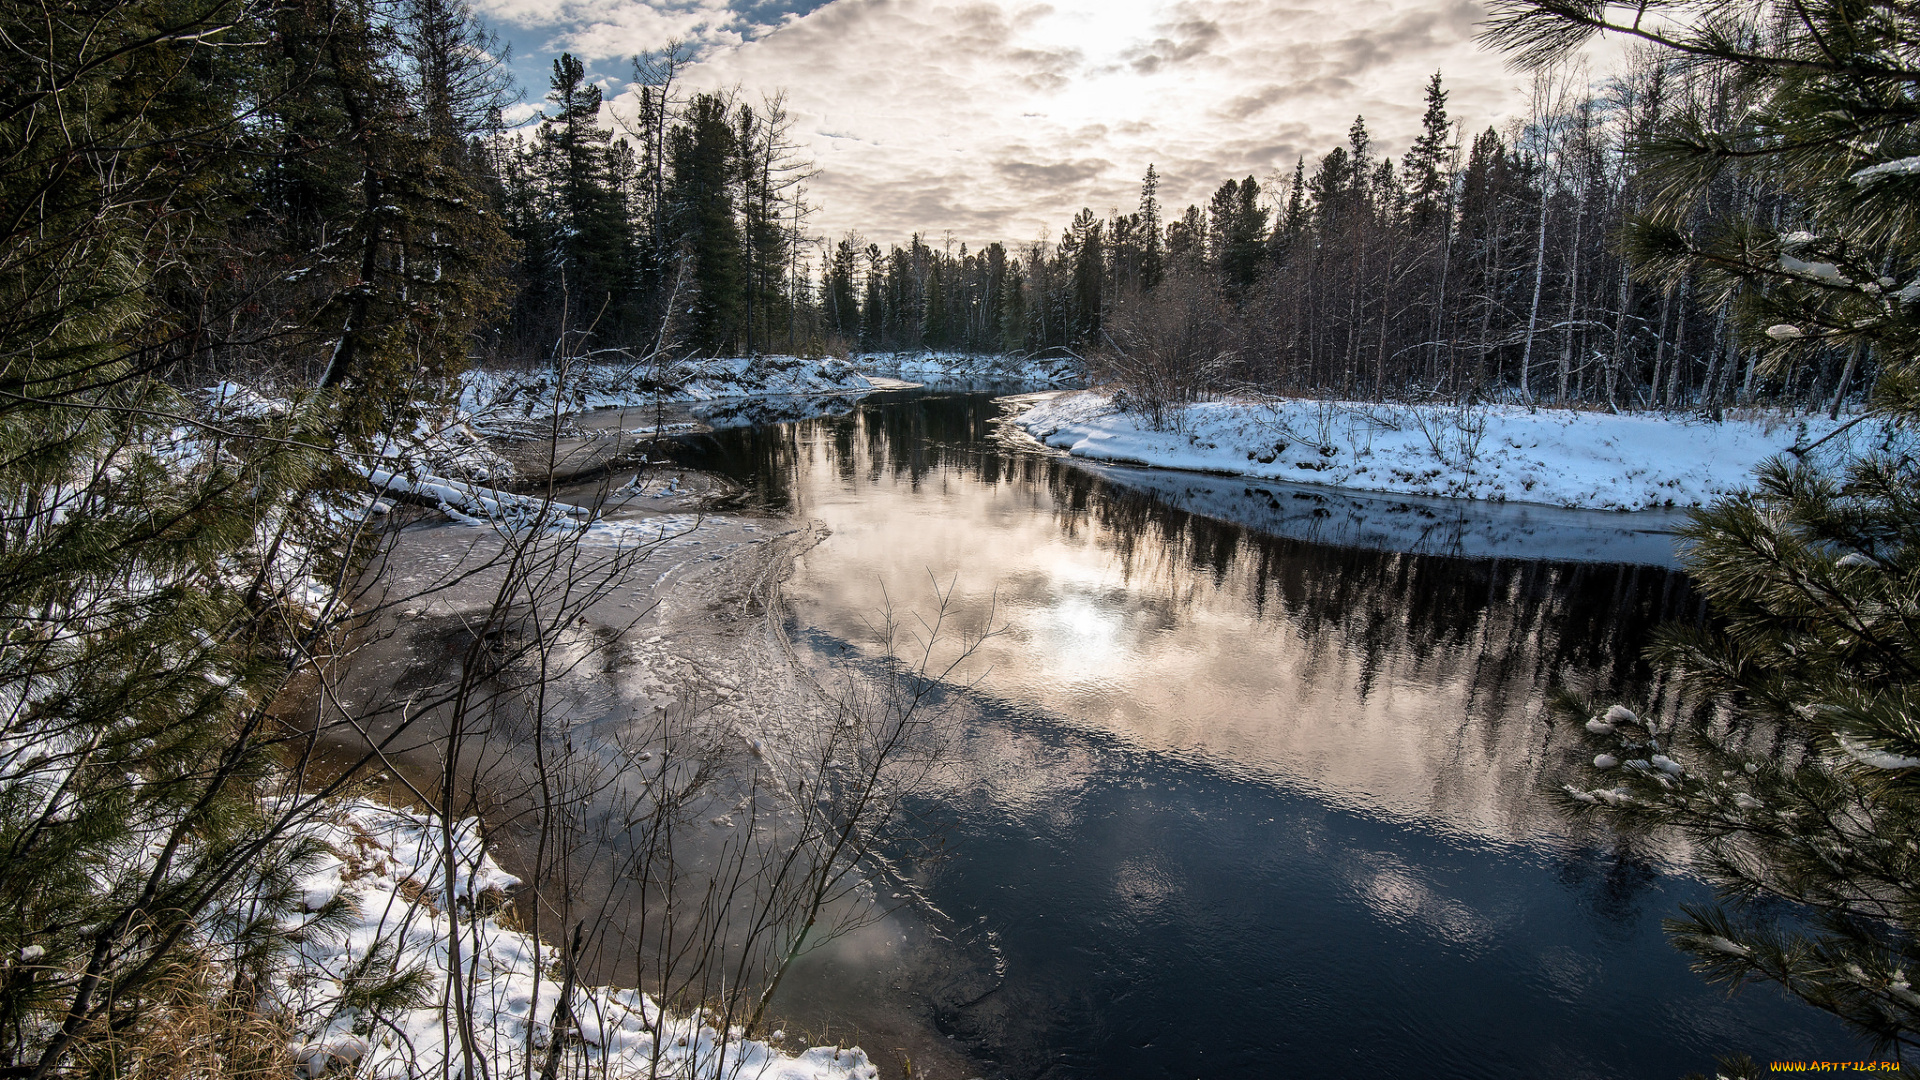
{"type": "Point", "coordinates": [1246, 790]}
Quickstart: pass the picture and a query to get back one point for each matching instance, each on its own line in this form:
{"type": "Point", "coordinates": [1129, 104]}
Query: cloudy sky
{"type": "Point", "coordinates": [998, 119]}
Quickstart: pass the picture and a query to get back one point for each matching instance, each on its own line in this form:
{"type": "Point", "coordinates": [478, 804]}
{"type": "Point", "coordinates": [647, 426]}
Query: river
{"type": "Point", "coordinates": [1251, 779]}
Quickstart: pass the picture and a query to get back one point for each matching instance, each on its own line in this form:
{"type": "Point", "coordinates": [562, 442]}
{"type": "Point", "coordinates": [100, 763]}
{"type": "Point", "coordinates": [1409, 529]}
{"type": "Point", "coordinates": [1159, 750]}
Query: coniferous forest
{"type": "Point", "coordinates": [249, 247]}
{"type": "Point", "coordinates": [371, 206]}
{"type": "Point", "coordinates": [369, 218]}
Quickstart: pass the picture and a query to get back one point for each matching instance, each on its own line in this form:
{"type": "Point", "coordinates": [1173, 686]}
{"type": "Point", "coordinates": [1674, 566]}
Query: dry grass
{"type": "Point", "coordinates": [200, 1024]}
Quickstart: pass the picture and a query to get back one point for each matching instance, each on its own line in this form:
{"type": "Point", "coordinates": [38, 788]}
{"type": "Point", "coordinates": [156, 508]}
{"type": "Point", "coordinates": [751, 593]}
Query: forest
{"type": "Point", "coordinates": [1498, 264]}
{"type": "Point", "coordinates": [322, 201]}
{"type": "Point", "coordinates": [1495, 264]}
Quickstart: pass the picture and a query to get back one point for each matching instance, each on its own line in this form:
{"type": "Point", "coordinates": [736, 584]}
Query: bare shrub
{"type": "Point", "coordinates": [1168, 348]}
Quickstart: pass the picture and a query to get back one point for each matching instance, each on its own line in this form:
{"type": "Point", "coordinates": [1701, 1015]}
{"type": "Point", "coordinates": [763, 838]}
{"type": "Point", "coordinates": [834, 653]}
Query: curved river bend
{"type": "Point", "coordinates": [1251, 783]}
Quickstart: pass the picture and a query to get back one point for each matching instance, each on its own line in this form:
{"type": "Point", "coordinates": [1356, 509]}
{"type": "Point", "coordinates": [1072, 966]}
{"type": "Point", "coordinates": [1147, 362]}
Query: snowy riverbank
{"type": "Point", "coordinates": [1502, 453]}
{"type": "Point", "coordinates": [382, 893]}
{"type": "Point", "coordinates": [973, 369]}
{"type": "Point", "coordinates": [619, 384]}
{"type": "Point", "coordinates": [601, 383]}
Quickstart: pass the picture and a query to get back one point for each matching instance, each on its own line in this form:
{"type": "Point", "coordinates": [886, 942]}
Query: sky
{"type": "Point", "coordinates": [999, 119]}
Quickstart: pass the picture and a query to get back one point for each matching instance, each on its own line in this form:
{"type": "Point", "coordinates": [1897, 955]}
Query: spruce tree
{"type": "Point", "coordinates": [1153, 251]}
{"type": "Point", "coordinates": [1425, 166]}
{"type": "Point", "coordinates": [702, 154]}
{"type": "Point", "coordinates": [1804, 783]}
{"type": "Point", "coordinates": [583, 172]}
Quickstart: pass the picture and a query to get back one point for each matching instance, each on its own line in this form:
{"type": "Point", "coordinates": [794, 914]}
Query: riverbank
{"type": "Point", "coordinates": [948, 369]}
{"type": "Point", "coordinates": [618, 620]}
{"type": "Point", "coordinates": [720, 391]}
{"type": "Point", "coordinates": [652, 636]}
{"type": "Point", "coordinates": [396, 909]}
{"type": "Point", "coordinates": [540, 391]}
{"type": "Point", "coordinates": [1501, 453]}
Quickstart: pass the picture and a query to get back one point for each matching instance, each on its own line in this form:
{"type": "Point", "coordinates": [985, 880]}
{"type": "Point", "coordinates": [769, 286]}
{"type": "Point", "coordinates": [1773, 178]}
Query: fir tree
{"type": "Point", "coordinates": [1425, 167]}
{"type": "Point", "coordinates": [1806, 786]}
{"type": "Point", "coordinates": [1153, 252]}
{"type": "Point", "coordinates": [702, 152]}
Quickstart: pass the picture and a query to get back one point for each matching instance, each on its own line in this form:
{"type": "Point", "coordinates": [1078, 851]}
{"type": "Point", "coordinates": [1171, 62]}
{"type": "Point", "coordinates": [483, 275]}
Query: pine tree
{"type": "Point", "coordinates": [1187, 242]}
{"type": "Point", "coordinates": [1239, 231]}
{"type": "Point", "coordinates": [1294, 218]}
{"type": "Point", "coordinates": [873, 316]}
{"type": "Point", "coordinates": [843, 305]}
{"type": "Point", "coordinates": [138, 155]}
{"type": "Point", "coordinates": [1153, 253]}
{"type": "Point", "coordinates": [583, 171]}
{"type": "Point", "coordinates": [1806, 785]}
{"type": "Point", "coordinates": [1082, 250]}
{"type": "Point", "coordinates": [1425, 167]}
{"type": "Point", "coordinates": [702, 152]}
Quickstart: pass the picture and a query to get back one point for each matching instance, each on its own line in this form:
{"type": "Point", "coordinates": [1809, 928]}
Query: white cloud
{"type": "Point", "coordinates": [998, 119]}
{"type": "Point", "coordinates": [516, 115]}
{"type": "Point", "coordinates": [610, 29]}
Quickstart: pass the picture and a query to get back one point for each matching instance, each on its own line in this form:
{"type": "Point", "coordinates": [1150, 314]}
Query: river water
{"type": "Point", "coordinates": [1250, 780]}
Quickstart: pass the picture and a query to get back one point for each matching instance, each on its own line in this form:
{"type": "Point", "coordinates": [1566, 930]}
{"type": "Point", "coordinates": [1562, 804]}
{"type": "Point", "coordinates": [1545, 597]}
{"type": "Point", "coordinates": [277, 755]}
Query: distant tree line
{"type": "Point", "coordinates": [680, 226]}
{"type": "Point", "coordinates": [1493, 265]}
{"type": "Point", "coordinates": [369, 221]}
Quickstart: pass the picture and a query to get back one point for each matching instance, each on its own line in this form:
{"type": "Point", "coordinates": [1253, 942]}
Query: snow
{"type": "Point", "coordinates": [488, 503]}
{"type": "Point", "coordinates": [949, 369]}
{"type": "Point", "coordinates": [602, 384]}
{"type": "Point", "coordinates": [386, 868]}
{"type": "Point", "coordinates": [1820, 271]}
{"type": "Point", "coordinates": [232, 399]}
{"type": "Point", "coordinates": [382, 903]}
{"type": "Point", "coordinates": [1877, 759]}
{"type": "Point", "coordinates": [1502, 453]}
{"type": "Point", "coordinates": [1720, 944]}
{"type": "Point", "coordinates": [1906, 166]}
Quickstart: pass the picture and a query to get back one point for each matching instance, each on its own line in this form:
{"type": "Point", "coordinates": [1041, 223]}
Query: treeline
{"type": "Point", "coordinates": [1497, 264]}
{"type": "Point", "coordinates": [366, 219]}
{"type": "Point", "coordinates": [681, 226]}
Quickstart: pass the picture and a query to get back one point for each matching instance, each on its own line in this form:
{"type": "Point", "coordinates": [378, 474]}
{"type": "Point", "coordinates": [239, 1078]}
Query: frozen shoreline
{"type": "Point", "coordinates": [1498, 453]}
{"type": "Point", "coordinates": [384, 873]}
{"type": "Point", "coordinates": [946, 369]}
{"type": "Point", "coordinates": [590, 385]}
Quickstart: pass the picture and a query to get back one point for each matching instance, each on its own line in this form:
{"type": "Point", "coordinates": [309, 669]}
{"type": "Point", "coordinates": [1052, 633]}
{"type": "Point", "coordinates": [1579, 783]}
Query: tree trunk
{"type": "Point", "coordinates": [1539, 277]}
{"type": "Point", "coordinates": [1858, 354]}
{"type": "Point", "coordinates": [1617, 356]}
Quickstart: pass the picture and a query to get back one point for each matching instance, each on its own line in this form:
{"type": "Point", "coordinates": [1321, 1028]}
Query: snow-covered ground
{"type": "Point", "coordinates": [964, 369]}
{"type": "Point", "coordinates": [603, 384]}
{"type": "Point", "coordinates": [386, 871]}
{"type": "Point", "coordinates": [1504, 453]}
{"type": "Point", "coordinates": [1422, 524]}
